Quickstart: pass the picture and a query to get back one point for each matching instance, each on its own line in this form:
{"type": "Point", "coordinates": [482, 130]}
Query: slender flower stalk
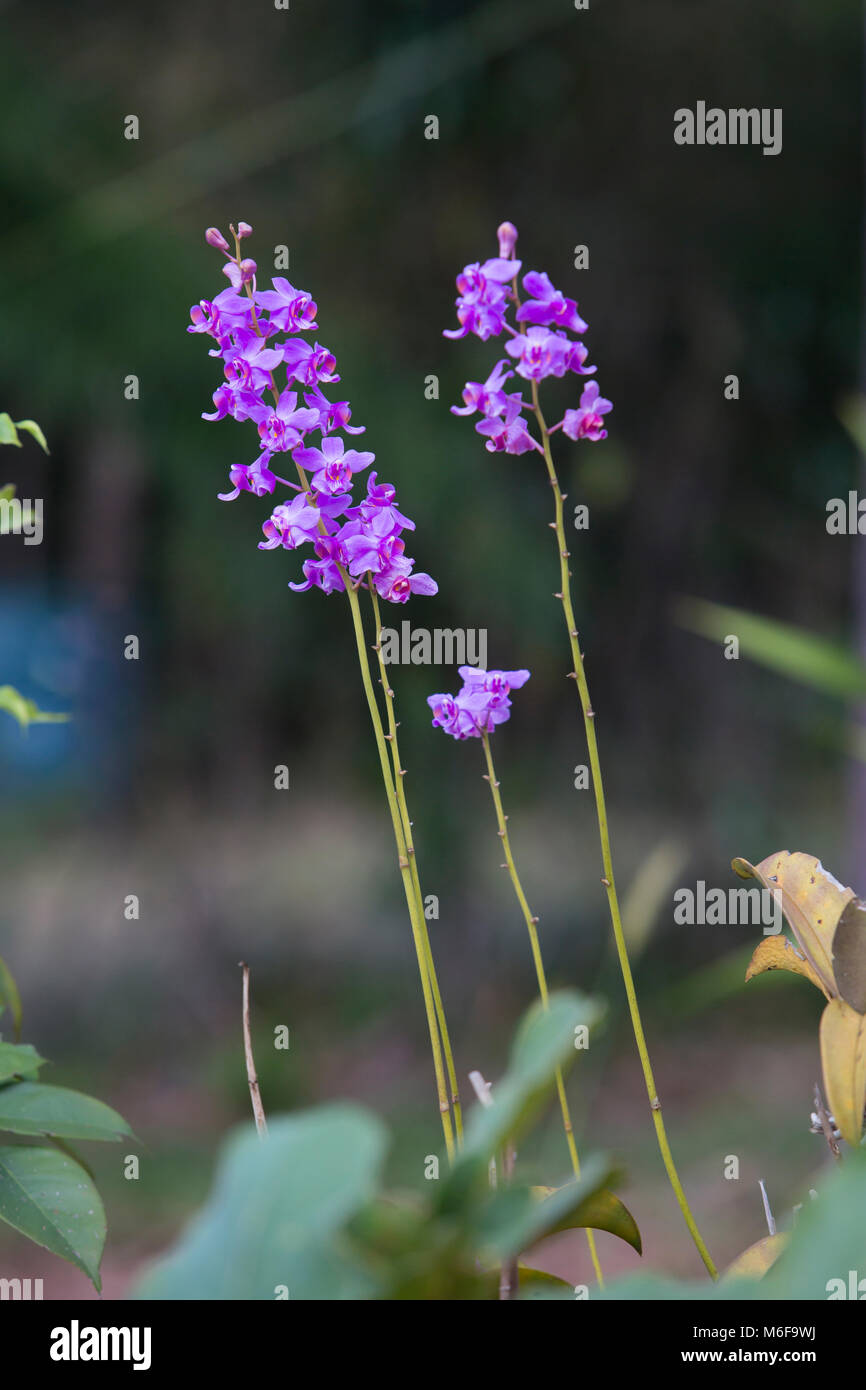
{"type": "Point", "coordinates": [475, 712]}
{"type": "Point", "coordinates": [609, 883]}
{"type": "Point", "coordinates": [532, 928]}
{"type": "Point", "coordinates": [399, 784]}
{"type": "Point", "coordinates": [416, 916]}
{"type": "Point", "coordinates": [350, 540]}
{"type": "Point", "coordinates": [539, 346]}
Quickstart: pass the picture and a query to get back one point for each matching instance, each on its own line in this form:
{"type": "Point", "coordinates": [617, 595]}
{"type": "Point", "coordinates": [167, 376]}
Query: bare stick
{"type": "Point", "coordinates": [255, 1094]}
{"type": "Point", "coordinates": [482, 1091]}
{"type": "Point", "coordinates": [768, 1211]}
{"type": "Point", "coordinates": [509, 1276]}
{"type": "Point", "coordinates": [508, 1273]}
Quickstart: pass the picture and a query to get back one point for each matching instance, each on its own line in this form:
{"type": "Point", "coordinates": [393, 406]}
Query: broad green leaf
{"type": "Point", "coordinates": [275, 1215]}
{"type": "Point", "coordinates": [537, 1283]}
{"type": "Point", "coordinates": [26, 711]}
{"type": "Point", "coordinates": [849, 955]}
{"type": "Point", "coordinates": [8, 432]}
{"type": "Point", "coordinates": [824, 1257]}
{"type": "Point", "coordinates": [18, 1060]}
{"type": "Point", "coordinates": [28, 1107]}
{"type": "Point", "coordinates": [9, 997]}
{"type": "Point", "coordinates": [514, 1219]}
{"type": "Point", "coordinates": [7, 492]}
{"type": "Point", "coordinates": [544, 1041]}
{"type": "Point", "coordinates": [778, 953]}
{"type": "Point", "coordinates": [812, 660]}
{"type": "Point", "coordinates": [50, 1199]}
{"type": "Point", "coordinates": [828, 1241]}
{"type": "Point", "coordinates": [843, 1060]}
{"type": "Point", "coordinates": [811, 899]}
{"type": "Point", "coordinates": [31, 428]}
{"type": "Point", "coordinates": [754, 1262]}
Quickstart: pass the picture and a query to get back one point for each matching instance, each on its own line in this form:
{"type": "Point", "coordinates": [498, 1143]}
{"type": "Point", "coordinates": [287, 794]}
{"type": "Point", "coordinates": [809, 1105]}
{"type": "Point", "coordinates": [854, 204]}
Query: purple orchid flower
{"type": "Point", "coordinates": [309, 365]}
{"type": "Point", "coordinates": [509, 433]}
{"type": "Point", "coordinates": [397, 583]}
{"type": "Point", "coordinates": [241, 402]}
{"type": "Point", "coordinates": [482, 298]}
{"type": "Point", "coordinates": [291, 524]}
{"type": "Point", "coordinates": [540, 353]}
{"type": "Point", "coordinates": [290, 310]}
{"type": "Point", "coordinates": [481, 704]}
{"type": "Point", "coordinates": [586, 423]}
{"type": "Point", "coordinates": [547, 306]}
{"type": "Point", "coordinates": [283, 429]}
{"type": "Point", "coordinates": [333, 415]}
{"type": "Point", "coordinates": [379, 502]}
{"type": "Point", "coordinates": [333, 464]}
{"type": "Point", "coordinates": [449, 715]}
{"type": "Point", "coordinates": [255, 477]}
{"type": "Point", "coordinates": [487, 396]}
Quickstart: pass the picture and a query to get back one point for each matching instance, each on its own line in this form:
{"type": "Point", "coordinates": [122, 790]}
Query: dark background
{"type": "Point", "coordinates": [310, 125]}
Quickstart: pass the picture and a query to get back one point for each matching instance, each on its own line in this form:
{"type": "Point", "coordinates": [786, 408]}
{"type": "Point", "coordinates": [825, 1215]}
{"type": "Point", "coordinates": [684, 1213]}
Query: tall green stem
{"type": "Point", "coordinates": [399, 784]}
{"type": "Point", "coordinates": [416, 918]}
{"type": "Point", "coordinates": [532, 928]}
{"type": "Point", "coordinates": [608, 881]}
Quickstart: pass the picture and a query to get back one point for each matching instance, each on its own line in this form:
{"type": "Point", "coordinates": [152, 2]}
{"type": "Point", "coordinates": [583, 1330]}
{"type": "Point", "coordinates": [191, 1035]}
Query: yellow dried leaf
{"type": "Point", "coordinates": [754, 1262]}
{"type": "Point", "coordinates": [812, 901]}
{"type": "Point", "coordinates": [778, 953]}
{"type": "Point", "coordinates": [843, 1059]}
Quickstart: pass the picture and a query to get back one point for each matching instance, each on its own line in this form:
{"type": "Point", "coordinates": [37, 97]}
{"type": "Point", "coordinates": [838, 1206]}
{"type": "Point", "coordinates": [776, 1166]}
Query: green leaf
{"type": "Point", "coordinates": [18, 1061]}
{"type": "Point", "coordinates": [26, 711]}
{"type": "Point", "coordinates": [276, 1212]}
{"type": "Point", "coordinates": [28, 1107]}
{"type": "Point", "coordinates": [9, 997]}
{"type": "Point", "coordinates": [828, 1241]}
{"type": "Point", "coordinates": [515, 1219]}
{"type": "Point", "coordinates": [791, 651]}
{"type": "Point", "coordinates": [545, 1040]}
{"type": "Point", "coordinates": [8, 432]}
{"type": "Point", "coordinates": [50, 1199]}
{"type": "Point", "coordinates": [7, 492]}
{"type": "Point", "coordinates": [31, 428]}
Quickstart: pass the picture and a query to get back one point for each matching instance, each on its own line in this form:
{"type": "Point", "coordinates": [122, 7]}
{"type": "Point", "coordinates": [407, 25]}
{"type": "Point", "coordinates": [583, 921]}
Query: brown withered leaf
{"type": "Point", "coordinates": [849, 955]}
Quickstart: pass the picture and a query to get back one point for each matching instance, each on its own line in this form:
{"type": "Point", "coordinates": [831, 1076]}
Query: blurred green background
{"type": "Point", "coordinates": [310, 125]}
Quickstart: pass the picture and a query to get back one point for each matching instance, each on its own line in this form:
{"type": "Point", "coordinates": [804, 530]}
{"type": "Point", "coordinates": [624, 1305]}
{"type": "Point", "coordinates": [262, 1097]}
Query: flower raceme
{"type": "Point", "coordinates": [480, 704]}
{"type": "Point", "coordinates": [538, 345]}
{"type": "Point", "coordinates": [268, 367]}
{"type": "Point", "coordinates": [545, 341]}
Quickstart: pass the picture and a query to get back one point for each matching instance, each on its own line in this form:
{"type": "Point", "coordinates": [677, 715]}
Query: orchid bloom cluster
{"type": "Point", "coordinates": [538, 346]}
{"type": "Point", "coordinates": [481, 703]}
{"type": "Point", "coordinates": [267, 364]}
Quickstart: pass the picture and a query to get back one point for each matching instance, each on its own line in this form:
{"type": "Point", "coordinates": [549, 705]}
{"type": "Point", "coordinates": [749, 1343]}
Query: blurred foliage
{"type": "Point", "coordinates": [299, 1213]}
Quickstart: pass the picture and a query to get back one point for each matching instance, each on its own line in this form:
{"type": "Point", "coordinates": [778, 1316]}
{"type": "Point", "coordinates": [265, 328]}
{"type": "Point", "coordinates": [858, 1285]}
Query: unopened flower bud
{"type": "Point", "coordinates": [507, 234]}
{"type": "Point", "coordinates": [244, 229]}
{"type": "Point", "coordinates": [248, 270]}
{"type": "Point", "coordinates": [214, 237]}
